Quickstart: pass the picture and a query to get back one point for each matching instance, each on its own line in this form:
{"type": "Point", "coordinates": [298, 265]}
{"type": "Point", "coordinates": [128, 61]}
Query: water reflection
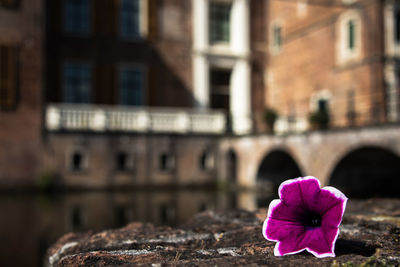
{"type": "Point", "coordinates": [32, 222]}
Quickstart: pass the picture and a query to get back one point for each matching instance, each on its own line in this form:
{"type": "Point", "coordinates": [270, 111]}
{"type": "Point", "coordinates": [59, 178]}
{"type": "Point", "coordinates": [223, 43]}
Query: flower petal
{"type": "Point", "coordinates": [296, 243]}
{"type": "Point", "coordinates": [322, 244]}
{"type": "Point", "coordinates": [280, 211]}
{"type": "Point", "coordinates": [332, 203]}
{"type": "Point", "coordinates": [301, 193]}
{"type": "Point", "coordinates": [280, 225]}
{"type": "Point", "coordinates": [275, 229]}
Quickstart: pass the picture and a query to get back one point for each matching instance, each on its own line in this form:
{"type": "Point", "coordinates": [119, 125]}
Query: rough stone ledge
{"type": "Point", "coordinates": [369, 236]}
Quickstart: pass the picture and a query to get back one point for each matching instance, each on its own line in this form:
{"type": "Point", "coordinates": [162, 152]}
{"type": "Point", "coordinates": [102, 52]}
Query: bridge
{"type": "Point", "coordinates": [356, 160]}
{"type": "Point", "coordinates": [181, 147]}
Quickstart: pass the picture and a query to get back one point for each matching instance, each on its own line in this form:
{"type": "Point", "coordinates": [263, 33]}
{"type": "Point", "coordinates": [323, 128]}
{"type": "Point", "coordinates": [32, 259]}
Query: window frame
{"type": "Point", "coordinates": [211, 41]}
{"type": "Point", "coordinates": [143, 70]}
{"type": "Point", "coordinates": [63, 81]}
{"type": "Point", "coordinates": [143, 23]}
{"type": "Point", "coordinates": [129, 161]}
{"type": "Point", "coordinates": [349, 37]}
{"type": "Point", "coordinates": [85, 160]}
{"type": "Point", "coordinates": [89, 20]}
{"type": "Point", "coordinates": [276, 46]}
{"type": "Point", "coordinates": [392, 47]}
{"type": "Point", "coordinates": [207, 161]}
{"type": "Point", "coordinates": [170, 162]}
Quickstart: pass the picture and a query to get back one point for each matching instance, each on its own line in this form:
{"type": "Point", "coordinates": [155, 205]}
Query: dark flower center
{"type": "Point", "coordinates": [312, 220]}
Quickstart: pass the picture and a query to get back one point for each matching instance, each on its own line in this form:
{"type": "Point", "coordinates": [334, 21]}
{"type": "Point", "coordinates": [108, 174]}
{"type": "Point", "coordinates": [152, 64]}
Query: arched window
{"type": "Point", "coordinates": [348, 43]}
{"type": "Point", "coordinates": [276, 35]}
{"type": "Point", "coordinates": [206, 161]}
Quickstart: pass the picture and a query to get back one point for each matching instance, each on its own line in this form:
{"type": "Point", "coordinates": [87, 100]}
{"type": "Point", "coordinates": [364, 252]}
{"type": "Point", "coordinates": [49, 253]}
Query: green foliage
{"type": "Point", "coordinates": [319, 119]}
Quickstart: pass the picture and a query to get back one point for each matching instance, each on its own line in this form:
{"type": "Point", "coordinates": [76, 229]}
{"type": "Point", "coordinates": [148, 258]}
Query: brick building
{"type": "Point", "coordinates": [341, 59]}
{"type": "Point", "coordinates": [21, 87]}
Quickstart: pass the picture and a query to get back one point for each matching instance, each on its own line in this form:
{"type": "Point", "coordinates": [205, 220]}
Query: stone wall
{"type": "Point", "coordinates": [151, 160]}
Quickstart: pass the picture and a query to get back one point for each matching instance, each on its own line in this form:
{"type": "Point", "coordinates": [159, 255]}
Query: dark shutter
{"type": "Point", "coordinates": [8, 77]}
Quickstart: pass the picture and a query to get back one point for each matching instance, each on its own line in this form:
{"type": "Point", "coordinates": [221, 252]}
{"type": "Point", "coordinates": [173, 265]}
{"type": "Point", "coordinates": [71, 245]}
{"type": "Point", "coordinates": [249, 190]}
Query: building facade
{"type": "Point", "coordinates": [21, 90]}
{"type": "Point", "coordinates": [142, 92]}
{"type": "Point", "coordinates": [341, 59]}
{"type": "Point", "coordinates": [128, 91]}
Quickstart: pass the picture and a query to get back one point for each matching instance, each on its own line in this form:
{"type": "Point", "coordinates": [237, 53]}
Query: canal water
{"type": "Point", "coordinates": [30, 223]}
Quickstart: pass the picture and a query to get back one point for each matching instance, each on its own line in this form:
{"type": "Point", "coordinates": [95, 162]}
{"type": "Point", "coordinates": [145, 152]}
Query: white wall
{"type": "Point", "coordinates": [234, 55]}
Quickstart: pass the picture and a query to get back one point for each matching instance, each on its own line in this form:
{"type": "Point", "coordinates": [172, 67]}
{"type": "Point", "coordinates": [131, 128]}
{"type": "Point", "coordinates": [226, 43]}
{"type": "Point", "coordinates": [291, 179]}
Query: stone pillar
{"type": "Point", "coordinates": [200, 44]}
{"type": "Point", "coordinates": [240, 97]}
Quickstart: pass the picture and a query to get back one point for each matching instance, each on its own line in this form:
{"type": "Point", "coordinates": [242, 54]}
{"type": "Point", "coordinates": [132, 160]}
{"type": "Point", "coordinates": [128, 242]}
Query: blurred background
{"type": "Point", "coordinates": [113, 111]}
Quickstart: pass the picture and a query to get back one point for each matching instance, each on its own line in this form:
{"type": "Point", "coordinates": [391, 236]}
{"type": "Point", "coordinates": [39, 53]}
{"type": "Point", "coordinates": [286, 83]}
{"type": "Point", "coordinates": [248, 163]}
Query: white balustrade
{"type": "Point", "coordinates": [78, 117]}
{"type": "Point", "coordinates": [285, 124]}
{"type": "Point", "coordinates": [208, 123]}
{"type": "Point", "coordinates": [136, 121]}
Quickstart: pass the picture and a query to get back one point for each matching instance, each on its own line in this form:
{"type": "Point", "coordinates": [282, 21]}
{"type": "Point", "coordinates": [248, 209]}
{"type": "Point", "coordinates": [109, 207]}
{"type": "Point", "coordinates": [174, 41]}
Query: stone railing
{"type": "Point", "coordinates": [286, 124]}
{"type": "Point", "coordinates": [79, 117]}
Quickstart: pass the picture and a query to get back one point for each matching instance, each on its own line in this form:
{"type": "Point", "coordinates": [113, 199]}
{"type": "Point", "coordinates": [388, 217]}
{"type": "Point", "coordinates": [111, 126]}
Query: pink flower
{"type": "Point", "coordinates": [305, 217]}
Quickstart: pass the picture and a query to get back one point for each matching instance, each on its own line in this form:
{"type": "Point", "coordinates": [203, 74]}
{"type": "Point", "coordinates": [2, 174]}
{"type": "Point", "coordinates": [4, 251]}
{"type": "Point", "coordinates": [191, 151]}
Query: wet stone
{"type": "Point", "coordinates": [369, 236]}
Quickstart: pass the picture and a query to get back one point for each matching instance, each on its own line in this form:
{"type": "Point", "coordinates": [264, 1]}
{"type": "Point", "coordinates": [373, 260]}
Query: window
{"type": "Point", "coordinates": [131, 86]}
{"type": "Point", "coordinates": [323, 105]}
{"type": "Point", "coordinates": [8, 77]}
{"type": "Point", "coordinates": [130, 18]}
{"type": "Point", "coordinates": [77, 161]}
{"type": "Point", "coordinates": [323, 114]}
{"type": "Point", "coordinates": [9, 3]}
{"type": "Point", "coordinates": [77, 82]}
{"type": "Point", "coordinates": [351, 34]}
{"type": "Point", "coordinates": [206, 161]}
{"type": "Point", "coordinates": [77, 16]}
{"type": "Point", "coordinates": [123, 161]}
{"type": "Point", "coordinates": [167, 162]}
{"type": "Point", "coordinates": [220, 88]}
{"type": "Point", "coordinates": [397, 25]}
{"type": "Point", "coordinates": [277, 36]}
{"type": "Point", "coordinates": [219, 22]}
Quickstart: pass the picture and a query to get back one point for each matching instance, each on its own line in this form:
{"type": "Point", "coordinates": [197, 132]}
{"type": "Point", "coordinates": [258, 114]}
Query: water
{"type": "Point", "coordinates": [30, 223]}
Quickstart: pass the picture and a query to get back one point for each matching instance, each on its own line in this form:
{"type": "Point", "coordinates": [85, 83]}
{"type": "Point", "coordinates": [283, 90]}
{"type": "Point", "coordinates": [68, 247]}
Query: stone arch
{"type": "Point", "coordinates": [367, 171]}
{"type": "Point", "coordinates": [277, 166]}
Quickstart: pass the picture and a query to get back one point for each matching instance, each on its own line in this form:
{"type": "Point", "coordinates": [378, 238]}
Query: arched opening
{"type": "Point", "coordinates": [368, 172]}
{"type": "Point", "coordinates": [231, 171]}
{"type": "Point", "coordinates": [275, 168]}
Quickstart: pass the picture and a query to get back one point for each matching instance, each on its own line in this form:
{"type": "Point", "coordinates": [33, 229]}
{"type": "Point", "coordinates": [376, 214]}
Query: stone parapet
{"type": "Point", "coordinates": [369, 234]}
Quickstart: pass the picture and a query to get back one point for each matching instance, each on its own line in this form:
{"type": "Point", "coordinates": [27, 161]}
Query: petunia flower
{"type": "Point", "coordinates": [305, 217]}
